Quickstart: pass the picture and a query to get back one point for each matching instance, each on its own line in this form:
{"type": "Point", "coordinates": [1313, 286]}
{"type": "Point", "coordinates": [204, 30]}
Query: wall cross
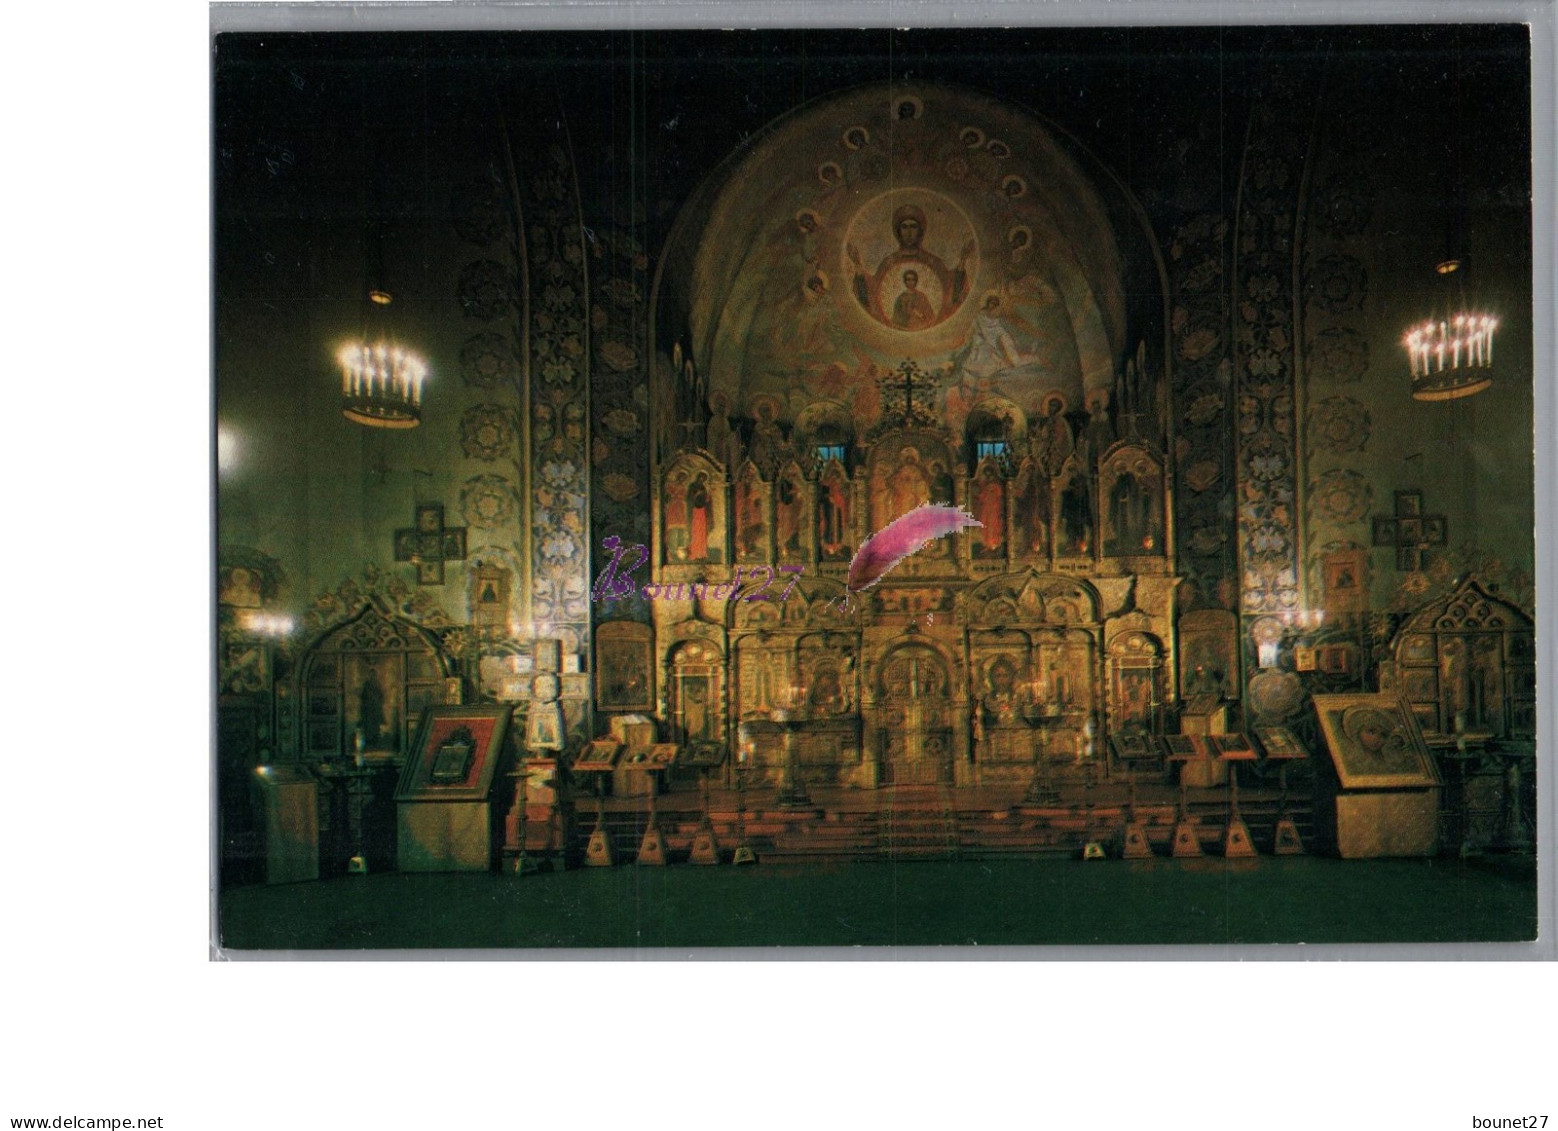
{"type": "Point", "coordinates": [1409, 530]}
{"type": "Point", "coordinates": [429, 544]}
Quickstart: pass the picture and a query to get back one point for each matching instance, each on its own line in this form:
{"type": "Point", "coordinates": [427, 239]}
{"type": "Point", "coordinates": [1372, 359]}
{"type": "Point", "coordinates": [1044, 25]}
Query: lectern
{"type": "Point", "coordinates": [445, 813]}
{"type": "Point", "coordinates": [1380, 790]}
{"type": "Point", "coordinates": [286, 798]}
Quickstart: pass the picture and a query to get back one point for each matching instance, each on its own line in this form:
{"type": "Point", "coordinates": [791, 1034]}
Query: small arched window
{"type": "Point", "coordinates": [993, 447]}
{"type": "Point", "coordinates": [989, 438]}
{"type": "Point", "coordinates": [830, 442]}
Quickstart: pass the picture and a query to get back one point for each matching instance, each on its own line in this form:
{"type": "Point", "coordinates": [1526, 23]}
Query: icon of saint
{"type": "Point", "coordinates": [832, 517]}
{"type": "Point", "coordinates": [990, 509]}
{"type": "Point", "coordinates": [907, 487]}
{"type": "Point", "coordinates": [698, 518]}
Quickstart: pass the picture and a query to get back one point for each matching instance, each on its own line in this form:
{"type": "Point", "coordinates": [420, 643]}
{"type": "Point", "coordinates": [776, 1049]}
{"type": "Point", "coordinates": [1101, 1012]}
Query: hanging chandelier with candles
{"type": "Point", "coordinates": [1451, 356]}
{"type": "Point", "coordinates": [381, 380]}
{"type": "Point", "coordinates": [381, 383]}
{"type": "Point", "coordinates": [1451, 352]}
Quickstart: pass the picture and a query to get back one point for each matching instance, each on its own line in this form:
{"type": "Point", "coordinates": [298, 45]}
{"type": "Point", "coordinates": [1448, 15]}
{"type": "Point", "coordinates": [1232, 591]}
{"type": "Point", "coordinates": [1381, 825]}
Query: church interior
{"type": "Point", "coordinates": [560, 378]}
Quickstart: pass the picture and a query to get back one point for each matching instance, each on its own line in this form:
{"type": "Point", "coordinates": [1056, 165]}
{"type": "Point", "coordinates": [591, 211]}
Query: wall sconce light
{"type": "Point", "coordinates": [1267, 632]}
{"type": "Point", "coordinates": [228, 449]}
{"type": "Point", "coordinates": [272, 626]}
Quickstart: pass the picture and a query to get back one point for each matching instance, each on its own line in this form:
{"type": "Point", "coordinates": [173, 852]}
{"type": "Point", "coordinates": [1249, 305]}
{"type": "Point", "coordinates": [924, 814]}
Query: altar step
{"type": "Point", "coordinates": [926, 825]}
{"type": "Point", "coordinates": [852, 836]}
{"type": "Point", "coordinates": [918, 823]}
{"type": "Point", "coordinates": [992, 835]}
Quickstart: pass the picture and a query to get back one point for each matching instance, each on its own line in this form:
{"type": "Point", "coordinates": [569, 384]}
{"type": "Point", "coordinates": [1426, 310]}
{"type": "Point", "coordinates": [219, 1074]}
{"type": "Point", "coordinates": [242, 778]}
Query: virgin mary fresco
{"type": "Point", "coordinates": [911, 288]}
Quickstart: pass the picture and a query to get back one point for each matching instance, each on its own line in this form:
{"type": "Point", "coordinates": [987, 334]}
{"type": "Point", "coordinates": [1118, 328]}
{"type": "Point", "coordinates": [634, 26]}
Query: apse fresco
{"type": "Point", "coordinates": [933, 224]}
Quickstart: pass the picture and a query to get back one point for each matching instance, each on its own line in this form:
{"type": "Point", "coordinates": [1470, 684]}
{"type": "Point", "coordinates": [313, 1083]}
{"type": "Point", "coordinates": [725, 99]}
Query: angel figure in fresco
{"type": "Point", "coordinates": [1098, 433]}
{"type": "Point", "coordinates": [799, 319]}
{"type": "Point", "coordinates": [803, 326]}
{"type": "Point", "coordinates": [866, 400]}
{"type": "Point", "coordinates": [959, 400]}
{"type": "Point", "coordinates": [873, 289]}
{"type": "Point", "coordinates": [990, 347]}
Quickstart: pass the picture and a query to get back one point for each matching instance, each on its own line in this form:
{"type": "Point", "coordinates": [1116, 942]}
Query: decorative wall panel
{"type": "Point", "coordinates": [1335, 269]}
{"type": "Point", "coordinates": [1197, 256]}
{"type": "Point", "coordinates": [1265, 354]}
{"type": "Point", "coordinates": [557, 336]}
{"type": "Point", "coordinates": [619, 457]}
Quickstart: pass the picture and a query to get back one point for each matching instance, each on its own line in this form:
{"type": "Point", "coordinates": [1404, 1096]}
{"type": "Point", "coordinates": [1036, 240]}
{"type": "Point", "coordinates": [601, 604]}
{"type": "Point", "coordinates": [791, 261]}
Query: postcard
{"type": "Point", "coordinates": [908, 488]}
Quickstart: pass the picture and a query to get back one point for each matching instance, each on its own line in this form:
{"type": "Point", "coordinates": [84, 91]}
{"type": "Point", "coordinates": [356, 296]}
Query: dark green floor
{"type": "Point", "coordinates": [1052, 901]}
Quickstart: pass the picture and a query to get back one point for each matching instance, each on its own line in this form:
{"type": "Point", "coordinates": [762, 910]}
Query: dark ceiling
{"type": "Point", "coordinates": [299, 117]}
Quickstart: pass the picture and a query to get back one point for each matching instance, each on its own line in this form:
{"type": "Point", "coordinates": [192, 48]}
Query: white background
{"type": "Point", "coordinates": [110, 1004]}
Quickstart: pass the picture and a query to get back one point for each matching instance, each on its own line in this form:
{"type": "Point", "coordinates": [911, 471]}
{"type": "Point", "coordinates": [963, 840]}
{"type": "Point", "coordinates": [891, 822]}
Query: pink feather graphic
{"type": "Point", "coordinates": [901, 537]}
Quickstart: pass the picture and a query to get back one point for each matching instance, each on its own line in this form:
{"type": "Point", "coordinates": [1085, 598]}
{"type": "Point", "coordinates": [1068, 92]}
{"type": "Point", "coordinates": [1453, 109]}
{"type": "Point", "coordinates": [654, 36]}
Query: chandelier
{"type": "Point", "coordinates": [1451, 356]}
{"type": "Point", "coordinates": [1451, 352]}
{"type": "Point", "coordinates": [381, 383]}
